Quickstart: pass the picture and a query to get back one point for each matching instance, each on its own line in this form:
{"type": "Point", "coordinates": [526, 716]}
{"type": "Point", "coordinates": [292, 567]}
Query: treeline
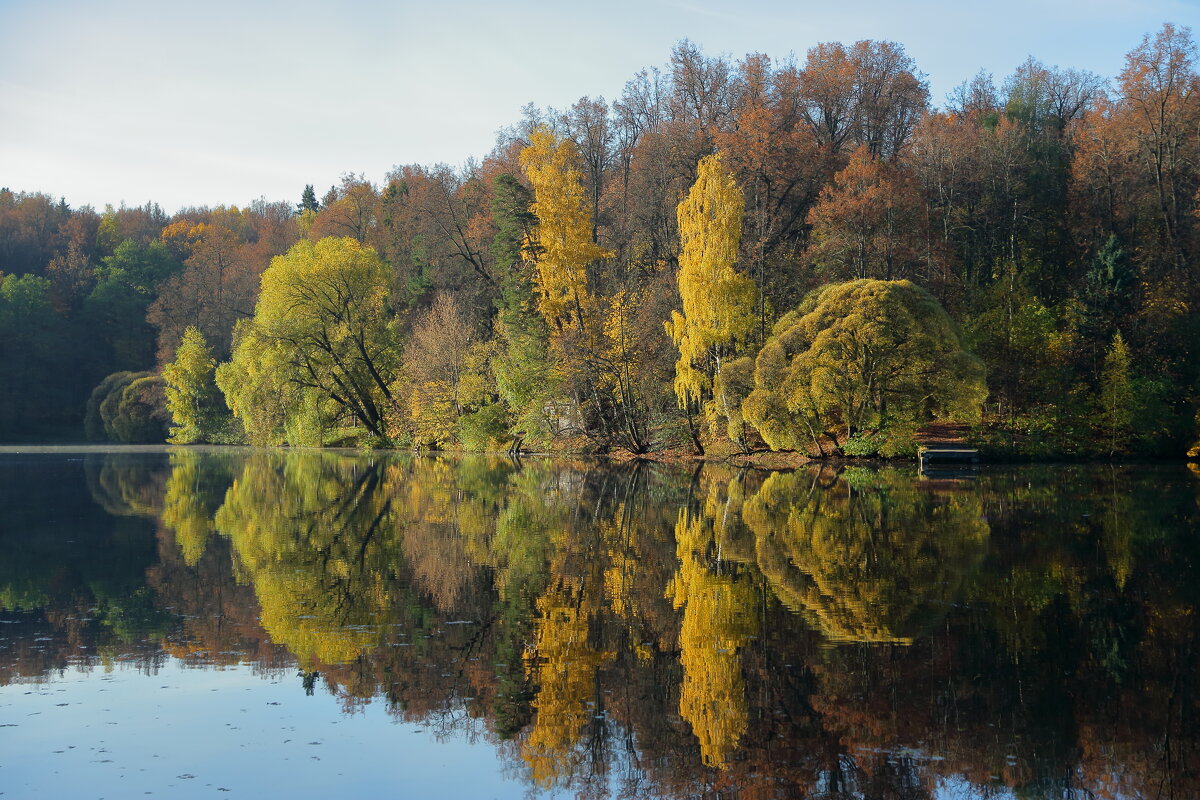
{"type": "Point", "coordinates": [657, 271]}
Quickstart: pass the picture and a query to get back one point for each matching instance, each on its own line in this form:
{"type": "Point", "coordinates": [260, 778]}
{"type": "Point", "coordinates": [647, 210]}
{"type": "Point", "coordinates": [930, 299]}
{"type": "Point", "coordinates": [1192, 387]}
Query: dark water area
{"type": "Point", "coordinates": [215, 623]}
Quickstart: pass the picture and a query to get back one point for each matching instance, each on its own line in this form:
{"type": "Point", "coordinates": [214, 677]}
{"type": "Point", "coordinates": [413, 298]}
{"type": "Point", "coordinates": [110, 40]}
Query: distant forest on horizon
{"type": "Point", "coordinates": [663, 271]}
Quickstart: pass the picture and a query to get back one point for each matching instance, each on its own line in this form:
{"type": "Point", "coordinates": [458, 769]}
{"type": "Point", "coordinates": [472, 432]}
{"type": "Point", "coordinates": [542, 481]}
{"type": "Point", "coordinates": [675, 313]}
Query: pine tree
{"type": "Point", "coordinates": [308, 200]}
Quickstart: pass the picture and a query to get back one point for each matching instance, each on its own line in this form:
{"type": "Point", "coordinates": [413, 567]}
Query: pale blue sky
{"type": "Point", "coordinates": [224, 102]}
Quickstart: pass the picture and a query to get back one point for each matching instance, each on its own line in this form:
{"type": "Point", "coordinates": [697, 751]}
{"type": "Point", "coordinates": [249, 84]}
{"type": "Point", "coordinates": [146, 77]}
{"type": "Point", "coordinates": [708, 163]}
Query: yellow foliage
{"type": "Point", "coordinates": [183, 507]}
{"type": "Point", "coordinates": [565, 668]}
{"type": "Point", "coordinates": [562, 246]}
{"type": "Point", "coordinates": [715, 626]}
{"type": "Point", "coordinates": [718, 301]}
{"type": "Point", "coordinates": [319, 349]}
{"type": "Point", "coordinates": [311, 551]}
{"type": "Point", "coordinates": [858, 355]}
{"type": "Point", "coordinates": [873, 563]}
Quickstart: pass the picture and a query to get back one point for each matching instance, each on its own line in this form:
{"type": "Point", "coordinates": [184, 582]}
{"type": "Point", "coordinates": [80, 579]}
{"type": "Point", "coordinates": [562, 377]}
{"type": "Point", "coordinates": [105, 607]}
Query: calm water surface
{"type": "Point", "coordinates": [194, 623]}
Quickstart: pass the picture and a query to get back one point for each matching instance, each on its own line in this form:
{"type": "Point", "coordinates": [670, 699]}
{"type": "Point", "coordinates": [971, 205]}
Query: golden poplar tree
{"type": "Point", "coordinates": [562, 244]}
{"type": "Point", "coordinates": [718, 301]}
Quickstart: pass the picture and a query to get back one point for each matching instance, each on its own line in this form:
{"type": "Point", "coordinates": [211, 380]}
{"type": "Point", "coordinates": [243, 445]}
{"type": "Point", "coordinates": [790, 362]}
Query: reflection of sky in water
{"type": "Point", "coordinates": [226, 732]}
{"type": "Point", "coordinates": [617, 644]}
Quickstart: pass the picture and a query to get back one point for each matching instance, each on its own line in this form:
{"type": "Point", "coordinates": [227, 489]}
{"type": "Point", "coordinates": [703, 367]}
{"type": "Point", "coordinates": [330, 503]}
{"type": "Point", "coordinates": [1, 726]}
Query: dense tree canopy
{"type": "Point", "coordinates": [321, 337]}
{"type": "Point", "coordinates": [866, 354]}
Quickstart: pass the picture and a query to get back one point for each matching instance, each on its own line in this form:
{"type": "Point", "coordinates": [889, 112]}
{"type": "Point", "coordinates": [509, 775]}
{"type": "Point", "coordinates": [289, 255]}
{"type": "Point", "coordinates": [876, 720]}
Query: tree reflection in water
{"type": "Point", "coordinates": [866, 556]}
{"type": "Point", "coordinates": [644, 631]}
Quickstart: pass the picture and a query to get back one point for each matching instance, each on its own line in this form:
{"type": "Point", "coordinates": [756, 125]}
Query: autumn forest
{"type": "Point", "coordinates": [736, 255]}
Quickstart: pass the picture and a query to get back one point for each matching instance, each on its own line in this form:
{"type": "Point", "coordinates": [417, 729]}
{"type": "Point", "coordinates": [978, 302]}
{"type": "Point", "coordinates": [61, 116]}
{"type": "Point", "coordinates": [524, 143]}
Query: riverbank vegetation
{"type": "Point", "coordinates": [735, 255]}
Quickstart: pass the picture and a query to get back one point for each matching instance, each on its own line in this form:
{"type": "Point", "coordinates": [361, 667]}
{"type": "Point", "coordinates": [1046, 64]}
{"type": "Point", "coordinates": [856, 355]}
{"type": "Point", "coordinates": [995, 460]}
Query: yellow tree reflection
{"type": "Point", "coordinates": [308, 532]}
{"type": "Point", "coordinates": [194, 491]}
{"type": "Point", "coordinates": [565, 665]}
{"type": "Point", "coordinates": [718, 619]}
{"type": "Point", "coordinates": [866, 556]}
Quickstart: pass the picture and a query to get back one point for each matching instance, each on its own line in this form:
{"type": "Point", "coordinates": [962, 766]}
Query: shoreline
{"type": "Point", "coordinates": [759, 460]}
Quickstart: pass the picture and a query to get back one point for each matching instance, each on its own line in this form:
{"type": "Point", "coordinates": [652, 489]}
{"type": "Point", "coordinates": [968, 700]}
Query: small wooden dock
{"type": "Point", "coordinates": [945, 455]}
{"type": "Point", "coordinates": [943, 444]}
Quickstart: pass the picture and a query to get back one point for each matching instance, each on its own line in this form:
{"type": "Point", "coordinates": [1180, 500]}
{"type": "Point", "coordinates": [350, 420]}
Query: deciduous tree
{"type": "Point", "coordinates": [322, 321]}
{"type": "Point", "coordinates": [861, 355]}
{"type": "Point", "coordinates": [718, 300]}
{"type": "Point", "coordinates": [192, 397]}
{"type": "Point", "coordinates": [561, 247]}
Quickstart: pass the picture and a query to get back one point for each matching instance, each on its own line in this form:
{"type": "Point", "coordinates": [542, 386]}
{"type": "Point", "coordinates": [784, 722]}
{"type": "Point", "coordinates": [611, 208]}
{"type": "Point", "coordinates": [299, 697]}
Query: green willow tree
{"type": "Point", "coordinates": [857, 356]}
{"type": "Point", "coordinates": [320, 352]}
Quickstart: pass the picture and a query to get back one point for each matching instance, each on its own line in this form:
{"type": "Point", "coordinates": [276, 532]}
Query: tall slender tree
{"type": "Point", "coordinates": [718, 300]}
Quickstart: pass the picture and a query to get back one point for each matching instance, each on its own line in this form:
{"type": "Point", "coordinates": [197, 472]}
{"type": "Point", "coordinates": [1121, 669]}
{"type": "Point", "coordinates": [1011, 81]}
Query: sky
{"type": "Point", "coordinates": [130, 101]}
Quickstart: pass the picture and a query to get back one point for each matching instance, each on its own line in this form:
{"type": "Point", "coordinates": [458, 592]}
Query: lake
{"type": "Point", "coordinates": [233, 622]}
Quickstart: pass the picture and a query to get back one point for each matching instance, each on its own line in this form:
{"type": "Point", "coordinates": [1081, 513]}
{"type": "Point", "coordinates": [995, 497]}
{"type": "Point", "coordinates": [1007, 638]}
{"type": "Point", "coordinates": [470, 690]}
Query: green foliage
{"type": "Point", "coordinates": [126, 284]}
{"type": "Point", "coordinates": [127, 407]}
{"type": "Point", "coordinates": [870, 557]}
{"type": "Point", "coordinates": [140, 415]}
{"type": "Point", "coordinates": [138, 268]}
{"type": "Point", "coordinates": [255, 388]}
{"type": "Point", "coordinates": [731, 387]}
{"type": "Point", "coordinates": [1109, 288]}
{"type": "Point", "coordinates": [1016, 335]}
{"type": "Point", "coordinates": [308, 200]}
{"type": "Point", "coordinates": [320, 351]}
{"type": "Point", "coordinates": [306, 534]}
{"type": "Point", "coordinates": [899, 440]}
{"type": "Point", "coordinates": [192, 397]}
{"type": "Point", "coordinates": [859, 356]}
{"type": "Point", "coordinates": [485, 429]}
{"type": "Point", "coordinates": [40, 360]}
{"type": "Point", "coordinates": [891, 441]}
{"type": "Point", "coordinates": [521, 367]}
{"type": "Point", "coordinates": [93, 423]}
{"type": "Point", "coordinates": [863, 444]}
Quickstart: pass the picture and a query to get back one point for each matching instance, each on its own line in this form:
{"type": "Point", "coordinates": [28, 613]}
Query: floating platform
{"type": "Point", "coordinates": [947, 455]}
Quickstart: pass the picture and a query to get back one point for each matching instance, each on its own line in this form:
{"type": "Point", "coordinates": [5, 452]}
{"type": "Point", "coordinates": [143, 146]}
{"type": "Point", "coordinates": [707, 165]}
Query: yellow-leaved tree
{"type": "Point", "coordinates": [315, 363]}
{"type": "Point", "coordinates": [718, 301]}
{"type": "Point", "coordinates": [864, 355]}
{"type": "Point", "coordinates": [562, 245]}
{"type": "Point", "coordinates": [870, 558]}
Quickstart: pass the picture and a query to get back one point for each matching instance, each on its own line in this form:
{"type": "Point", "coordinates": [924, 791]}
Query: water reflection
{"type": "Point", "coordinates": [667, 632]}
{"type": "Point", "coordinates": [865, 555]}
